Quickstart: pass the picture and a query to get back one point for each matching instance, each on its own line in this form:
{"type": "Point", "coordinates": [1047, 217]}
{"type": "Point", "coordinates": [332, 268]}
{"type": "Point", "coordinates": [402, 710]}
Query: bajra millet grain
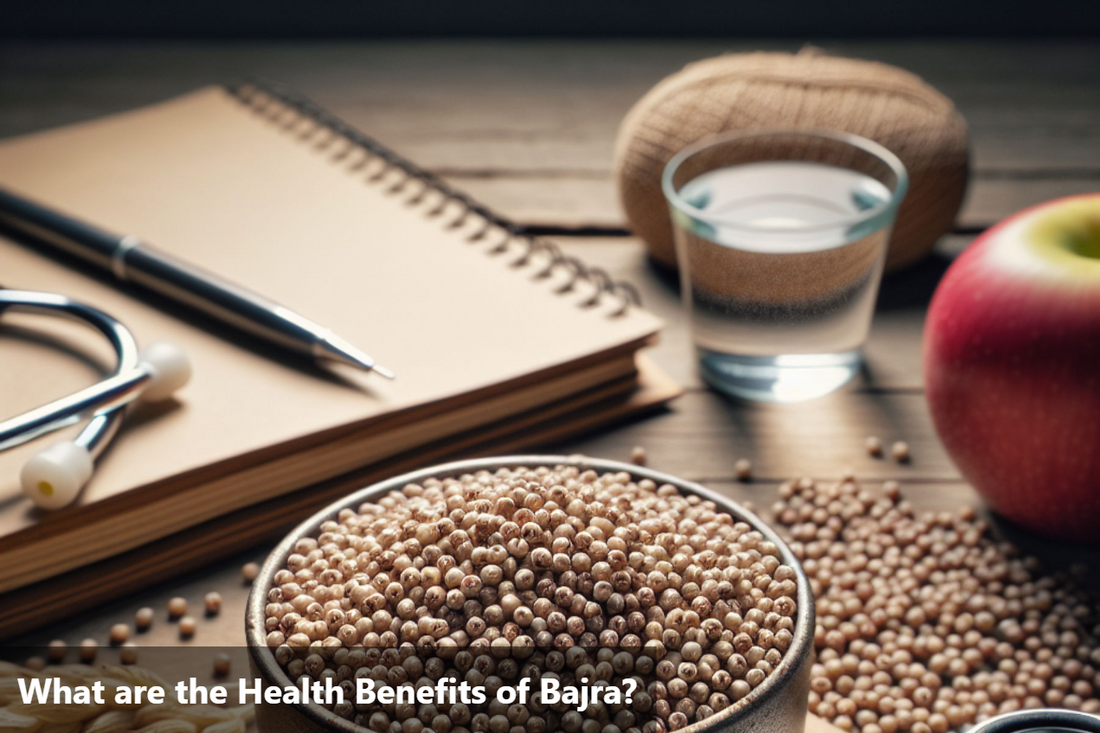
{"type": "Point", "coordinates": [924, 622]}
{"type": "Point", "coordinates": [551, 571]}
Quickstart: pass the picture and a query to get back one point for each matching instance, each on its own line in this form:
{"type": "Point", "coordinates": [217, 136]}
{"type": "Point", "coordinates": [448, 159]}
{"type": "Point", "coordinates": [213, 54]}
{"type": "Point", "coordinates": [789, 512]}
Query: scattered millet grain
{"type": "Point", "coordinates": [55, 651]}
{"type": "Point", "coordinates": [926, 624]}
{"type": "Point", "coordinates": [874, 446]}
{"type": "Point", "coordinates": [637, 456]}
{"type": "Point", "coordinates": [743, 469]}
{"type": "Point", "coordinates": [177, 607]}
{"type": "Point", "coordinates": [213, 603]}
{"type": "Point", "coordinates": [221, 664]}
{"type": "Point", "coordinates": [900, 451]}
{"type": "Point", "coordinates": [554, 572]}
{"type": "Point", "coordinates": [250, 571]}
{"type": "Point", "coordinates": [119, 634]}
{"type": "Point", "coordinates": [88, 649]}
{"type": "Point", "coordinates": [187, 627]}
{"type": "Point", "coordinates": [128, 653]}
{"type": "Point", "coordinates": [143, 619]}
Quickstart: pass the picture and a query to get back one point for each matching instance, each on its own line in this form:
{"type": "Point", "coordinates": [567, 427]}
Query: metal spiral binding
{"type": "Point", "coordinates": [272, 100]}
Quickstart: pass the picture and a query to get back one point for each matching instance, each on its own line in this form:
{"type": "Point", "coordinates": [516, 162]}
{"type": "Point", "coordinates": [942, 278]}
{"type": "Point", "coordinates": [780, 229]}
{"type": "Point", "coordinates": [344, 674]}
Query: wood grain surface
{"type": "Point", "coordinates": [529, 128]}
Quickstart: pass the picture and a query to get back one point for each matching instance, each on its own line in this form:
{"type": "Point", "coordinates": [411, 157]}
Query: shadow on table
{"type": "Point", "coordinates": [912, 287]}
{"type": "Point", "coordinates": [664, 274]}
{"type": "Point", "coordinates": [1055, 555]}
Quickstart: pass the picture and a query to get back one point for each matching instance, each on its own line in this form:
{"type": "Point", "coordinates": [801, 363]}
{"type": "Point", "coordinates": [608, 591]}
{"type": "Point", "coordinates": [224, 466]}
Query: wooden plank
{"type": "Point", "coordinates": [939, 496]}
{"type": "Point", "coordinates": [893, 350]}
{"type": "Point", "coordinates": [569, 98]}
{"type": "Point", "coordinates": [703, 435]}
{"type": "Point", "coordinates": [530, 128]}
{"type": "Point", "coordinates": [990, 200]}
{"type": "Point", "coordinates": [551, 105]}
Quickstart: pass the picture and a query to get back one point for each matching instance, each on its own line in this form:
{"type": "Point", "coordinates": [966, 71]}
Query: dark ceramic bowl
{"type": "Point", "coordinates": [777, 705]}
{"type": "Point", "coordinates": [1040, 720]}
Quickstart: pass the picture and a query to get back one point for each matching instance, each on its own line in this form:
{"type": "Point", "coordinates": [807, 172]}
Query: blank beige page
{"type": "Point", "coordinates": [277, 206]}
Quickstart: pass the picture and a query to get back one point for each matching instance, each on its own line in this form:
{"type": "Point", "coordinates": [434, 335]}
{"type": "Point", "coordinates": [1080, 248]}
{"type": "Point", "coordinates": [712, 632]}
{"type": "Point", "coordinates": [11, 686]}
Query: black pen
{"type": "Point", "coordinates": [131, 260]}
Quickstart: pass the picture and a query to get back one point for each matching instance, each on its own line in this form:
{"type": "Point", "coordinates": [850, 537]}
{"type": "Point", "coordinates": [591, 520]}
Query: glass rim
{"type": "Point", "coordinates": [869, 146]}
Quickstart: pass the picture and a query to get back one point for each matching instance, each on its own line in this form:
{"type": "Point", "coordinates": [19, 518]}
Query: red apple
{"type": "Point", "coordinates": [1012, 367]}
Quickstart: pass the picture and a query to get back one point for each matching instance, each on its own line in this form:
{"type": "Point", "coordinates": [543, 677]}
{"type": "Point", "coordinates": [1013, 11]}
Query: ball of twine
{"type": "Point", "coordinates": [769, 91]}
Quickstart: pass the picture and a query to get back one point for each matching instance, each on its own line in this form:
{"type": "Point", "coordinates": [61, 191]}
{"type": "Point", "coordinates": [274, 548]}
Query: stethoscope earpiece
{"type": "Point", "coordinates": [54, 477]}
{"type": "Point", "coordinates": [170, 368]}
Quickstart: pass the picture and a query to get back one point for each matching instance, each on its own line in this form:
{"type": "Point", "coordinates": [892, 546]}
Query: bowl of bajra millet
{"type": "Point", "coordinates": [492, 571]}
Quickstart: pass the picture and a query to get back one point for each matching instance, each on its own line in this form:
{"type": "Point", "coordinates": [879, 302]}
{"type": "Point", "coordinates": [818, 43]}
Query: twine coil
{"type": "Point", "coordinates": [769, 91]}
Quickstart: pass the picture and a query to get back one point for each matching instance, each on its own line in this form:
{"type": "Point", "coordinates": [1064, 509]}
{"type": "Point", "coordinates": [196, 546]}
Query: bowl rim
{"type": "Point", "coordinates": [1036, 720]}
{"type": "Point", "coordinates": [800, 652]}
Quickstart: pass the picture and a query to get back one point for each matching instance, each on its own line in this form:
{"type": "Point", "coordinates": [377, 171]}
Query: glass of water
{"type": "Point", "coordinates": [780, 240]}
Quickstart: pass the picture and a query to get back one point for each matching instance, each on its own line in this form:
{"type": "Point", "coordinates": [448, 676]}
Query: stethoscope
{"type": "Point", "coordinates": [54, 477]}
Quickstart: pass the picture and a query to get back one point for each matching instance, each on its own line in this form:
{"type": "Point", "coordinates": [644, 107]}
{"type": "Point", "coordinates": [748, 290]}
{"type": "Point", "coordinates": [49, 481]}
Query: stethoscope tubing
{"type": "Point", "coordinates": [111, 395]}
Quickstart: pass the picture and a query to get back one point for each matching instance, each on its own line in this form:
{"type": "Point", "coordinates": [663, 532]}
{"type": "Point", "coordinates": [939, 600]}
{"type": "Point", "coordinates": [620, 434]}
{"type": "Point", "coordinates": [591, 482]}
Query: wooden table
{"type": "Point", "coordinates": [528, 127]}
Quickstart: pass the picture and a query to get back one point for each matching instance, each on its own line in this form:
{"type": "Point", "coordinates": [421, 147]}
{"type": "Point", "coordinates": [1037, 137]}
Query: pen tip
{"type": "Point", "coordinates": [337, 349]}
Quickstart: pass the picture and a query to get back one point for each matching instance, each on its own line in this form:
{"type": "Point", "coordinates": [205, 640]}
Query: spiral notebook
{"type": "Point", "coordinates": [497, 339]}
